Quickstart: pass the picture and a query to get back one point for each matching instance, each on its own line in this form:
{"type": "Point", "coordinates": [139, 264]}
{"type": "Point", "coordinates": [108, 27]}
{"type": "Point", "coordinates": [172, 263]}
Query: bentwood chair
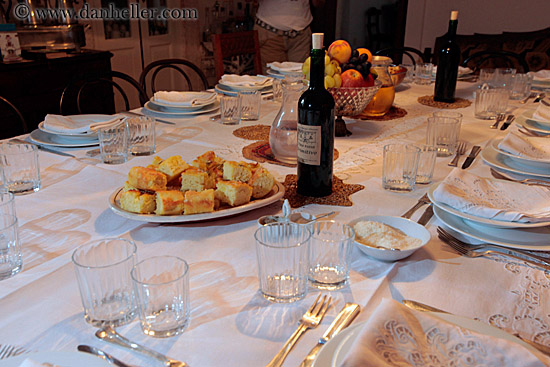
{"type": "Point", "coordinates": [13, 121]}
{"type": "Point", "coordinates": [494, 59]}
{"type": "Point", "coordinates": [396, 53]}
{"type": "Point", "coordinates": [188, 71]}
{"type": "Point", "coordinates": [237, 53]}
{"type": "Point", "coordinates": [79, 96]}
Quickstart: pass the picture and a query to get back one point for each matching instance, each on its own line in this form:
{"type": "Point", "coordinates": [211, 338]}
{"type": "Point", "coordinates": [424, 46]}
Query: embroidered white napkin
{"type": "Point", "coordinates": [489, 198]}
{"type": "Point", "coordinates": [74, 125]}
{"type": "Point", "coordinates": [185, 99]}
{"type": "Point", "coordinates": [245, 80]}
{"type": "Point", "coordinates": [542, 113]}
{"type": "Point", "coordinates": [526, 146]}
{"type": "Point", "coordinates": [286, 66]}
{"type": "Point", "coordinates": [540, 75]}
{"type": "Point", "coordinates": [398, 336]}
{"type": "Point", "coordinates": [32, 363]}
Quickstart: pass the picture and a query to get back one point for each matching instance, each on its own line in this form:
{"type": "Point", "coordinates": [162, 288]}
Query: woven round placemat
{"type": "Point", "coordinates": [340, 193]}
{"type": "Point", "coordinates": [392, 114]}
{"type": "Point", "coordinates": [458, 103]}
{"type": "Point", "coordinates": [254, 132]}
{"type": "Point", "coordinates": [260, 152]}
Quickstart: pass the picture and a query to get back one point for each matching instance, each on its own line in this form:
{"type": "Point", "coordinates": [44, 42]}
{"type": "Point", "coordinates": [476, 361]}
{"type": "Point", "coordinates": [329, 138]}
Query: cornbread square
{"type": "Point", "coordinates": [234, 193]}
{"type": "Point", "coordinates": [199, 202]}
{"type": "Point", "coordinates": [136, 202]}
{"type": "Point", "coordinates": [128, 187]}
{"type": "Point", "coordinates": [207, 160]}
{"type": "Point", "coordinates": [233, 171]}
{"type": "Point", "coordinates": [262, 182]}
{"type": "Point", "coordinates": [169, 202]}
{"type": "Point", "coordinates": [172, 167]}
{"type": "Point", "coordinates": [156, 162]}
{"type": "Point", "coordinates": [147, 179]}
{"type": "Point", "coordinates": [195, 179]}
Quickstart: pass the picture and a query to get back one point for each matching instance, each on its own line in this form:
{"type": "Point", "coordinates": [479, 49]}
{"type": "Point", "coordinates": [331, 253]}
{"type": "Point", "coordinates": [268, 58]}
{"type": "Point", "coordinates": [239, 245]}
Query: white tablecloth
{"type": "Point", "coordinates": [231, 324]}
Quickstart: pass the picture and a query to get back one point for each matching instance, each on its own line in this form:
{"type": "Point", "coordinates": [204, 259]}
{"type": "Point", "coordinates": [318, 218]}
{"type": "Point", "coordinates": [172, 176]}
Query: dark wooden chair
{"type": "Point", "coordinates": [238, 44]}
{"type": "Point", "coordinates": [183, 67]}
{"type": "Point", "coordinates": [397, 54]}
{"type": "Point", "coordinates": [494, 59]}
{"type": "Point", "coordinates": [10, 113]}
{"type": "Point", "coordinates": [79, 95]}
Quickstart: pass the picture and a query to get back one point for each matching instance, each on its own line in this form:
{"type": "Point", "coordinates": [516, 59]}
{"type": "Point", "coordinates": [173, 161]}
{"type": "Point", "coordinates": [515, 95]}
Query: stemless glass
{"type": "Point", "coordinates": [443, 133]}
{"type": "Point", "coordinates": [142, 138]}
{"type": "Point", "coordinates": [230, 109]}
{"type": "Point", "coordinates": [21, 169]}
{"type": "Point", "coordinates": [399, 167]}
{"type": "Point", "coordinates": [113, 143]}
{"type": "Point", "coordinates": [11, 261]}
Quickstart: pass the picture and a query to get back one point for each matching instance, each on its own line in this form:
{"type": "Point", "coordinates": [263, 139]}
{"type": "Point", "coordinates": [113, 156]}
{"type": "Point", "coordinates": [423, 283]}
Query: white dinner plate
{"type": "Point", "coordinates": [541, 84]}
{"type": "Point", "coordinates": [335, 350]}
{"type": "Point", "coordinates": [528, 115]}
{"type": "Point", "coordinates": [480, 220]}
{"type": "Point", "coordinates": [61, 359]}
{"type": "Point", "coordinates": [537, 163]}
{"type": "Point", "coordinates": [77, 118]}
{"type": "Point", "coordinates": [535, 239]}
{"type": "Point", "coordinates": [493, 158]}
{"type": "Point", "coordinates": [175, 109]}
{"type": "Point", "coordinates": [275, 194]}
{"type": "Point", "coordinates": [533, 126]}
{"type": "Point", "coordinates": [44, 138]}
{"type": "Point", "coordinates": [223, 89]}
{"type": "Point", "coordinates": [165, 111]}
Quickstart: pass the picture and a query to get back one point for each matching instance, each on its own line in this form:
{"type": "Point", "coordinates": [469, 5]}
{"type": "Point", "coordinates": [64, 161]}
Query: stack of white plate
{"type": "Point", "coordinates": [281, 69]}
{"type": "Point", "coordinates": [175, 110]}
{"type": "Point", "coordinates": [537, 126]}
{"type": "Point", "coordinates": [474, 229]}
{"type": "Point", "coordinates": [68, 139]}
{"type": "Point", "coordinates": [232, 89]}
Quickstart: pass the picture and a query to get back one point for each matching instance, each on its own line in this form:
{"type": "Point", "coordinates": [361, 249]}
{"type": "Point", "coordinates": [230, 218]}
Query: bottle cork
{"type": "Point", "coordinates": [317, 40]}
{"type": "Point", "coordinates": [454, 15]}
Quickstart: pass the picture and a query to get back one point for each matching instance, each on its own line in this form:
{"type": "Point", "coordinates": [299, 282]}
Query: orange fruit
{"type": "Point", "coordinates": [365, 51]}
{"type": "Point", "coordinates": [340, 51]}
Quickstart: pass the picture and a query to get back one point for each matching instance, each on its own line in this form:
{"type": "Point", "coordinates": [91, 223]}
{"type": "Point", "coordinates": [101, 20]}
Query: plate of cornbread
{"type": "Point", "coordinates": [173, 191]}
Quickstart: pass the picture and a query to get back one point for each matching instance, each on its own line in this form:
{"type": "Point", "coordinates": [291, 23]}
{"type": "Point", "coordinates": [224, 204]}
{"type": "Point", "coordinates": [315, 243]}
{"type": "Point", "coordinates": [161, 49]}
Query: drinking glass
{"type": "Point", "coordinates": [277, 89]}
{"type": "Point", "coordinates": [282, 250]}
{"type": "Point", "coordinates": [521, 86]}
{"type": "Point", "coordinates": [443, 133]}
{"type": "Point", "coordinates": [490, 102]}
{"type": "Point", "coordinates": [142, 137]}
{"type": "Point", "coordinates": [7, 202]}
{"type": "Point", "coordinates": [446, 113]}
{"type": "Point", "coordinates": [103, 273]}
{"type": "Point", "coordinates": [162, 293]}
{"type": "Point", "coordinates": [113, 143]}
{"type": "Point", "coordinates": [230, 109]}
{"type": "Point", "coordinates": [423, 73]}
{"type": "Point", "coordinates": [426, 164]}
{"type": "Point", "coordinates": [11, 261]}
{"type": "Point", "coordinates": [21, 167]}
{"type": "Point", "coordinates": [330, 254]}
{"type": "Point", "coordinates": [250, 104]}
{"type": "Point", "coordinates": [399, 167]}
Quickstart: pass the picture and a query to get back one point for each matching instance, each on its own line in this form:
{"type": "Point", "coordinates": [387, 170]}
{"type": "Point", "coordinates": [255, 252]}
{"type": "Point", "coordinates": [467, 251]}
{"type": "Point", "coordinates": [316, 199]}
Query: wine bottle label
{"type": "Point", "coordinates": [309, 144]}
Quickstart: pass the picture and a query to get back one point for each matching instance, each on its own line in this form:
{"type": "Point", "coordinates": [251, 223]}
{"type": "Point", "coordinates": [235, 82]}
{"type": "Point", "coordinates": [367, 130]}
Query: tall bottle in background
{"type": "Point", "coordinates": [315, 129]}
{"type": "Point", "coordinates": [447, 64]}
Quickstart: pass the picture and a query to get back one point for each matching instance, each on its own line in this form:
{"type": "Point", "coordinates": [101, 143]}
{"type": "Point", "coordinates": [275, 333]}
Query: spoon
{"type": "Point", "coordinates": [298, 218]}
{"type": "Point", "coordinates": [101, 354]}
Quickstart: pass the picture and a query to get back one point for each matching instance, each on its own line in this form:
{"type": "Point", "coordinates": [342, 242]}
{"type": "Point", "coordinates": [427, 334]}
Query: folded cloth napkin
{"type": "Point", "coordinates": [398, 336]}
{"type": "Point", "coordinates": [540, 75]}
{"type": "Point", "coordinates": [74, 125]}
{"type": "Point", "coordinates": [185, 99]}
{"type": "Point", "coordinates": [542, 113]}
{"type": "Point", "coordinates": [525, 146]}
{"type": "Point", "coordinates": [489, 198]}
{"type": "Point", "coordinates": [286, 66]}
{"type": "Point", "coordinates": [245, 80]}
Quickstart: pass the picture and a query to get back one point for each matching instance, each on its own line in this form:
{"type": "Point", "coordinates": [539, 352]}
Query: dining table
{"type": "Point", "coordinates": [231, 323]}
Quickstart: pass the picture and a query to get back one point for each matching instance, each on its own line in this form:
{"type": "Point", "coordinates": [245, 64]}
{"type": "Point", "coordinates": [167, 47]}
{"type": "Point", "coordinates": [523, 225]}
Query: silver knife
{"type": "Point", "coordinates": [156, 119]}
{"type": "Point", "coordinates": [473, 154]}
{"type": "Point", "coordinates": [427, 215]}
{"type": "Point", "coordinates": [539, 97]}
{"type": "Point", "coordinates": [508, 121]}
{"type": "Point", "coordinates": [344, 318]}
{"type": "Point", "coordinates": [425, 308]}
{"type": "Point", "coordinates": [45, 149]}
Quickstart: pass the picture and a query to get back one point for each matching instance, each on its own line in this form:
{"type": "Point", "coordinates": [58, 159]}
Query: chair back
{"type": "Point", "coordinates": [396, 54]}
{"type": "Point", "coordinates": [237, 53]}
{"type": "Point", "coordinates": [492, 59]}
{"type": "Point", "coordinates": [13, 121]}
{"type": "Point", "coordinates": [79, 95]}
{"type": "Point", "coordinates": [183, 67]}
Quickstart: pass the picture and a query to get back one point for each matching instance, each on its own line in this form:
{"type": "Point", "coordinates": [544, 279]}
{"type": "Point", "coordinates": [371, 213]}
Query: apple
{"type": "Point", "coordinates": [353, 78]}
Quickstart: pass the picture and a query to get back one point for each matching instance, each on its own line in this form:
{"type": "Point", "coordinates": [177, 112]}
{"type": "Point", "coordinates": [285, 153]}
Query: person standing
{"type": "Point", "coordinates": [284, 29]}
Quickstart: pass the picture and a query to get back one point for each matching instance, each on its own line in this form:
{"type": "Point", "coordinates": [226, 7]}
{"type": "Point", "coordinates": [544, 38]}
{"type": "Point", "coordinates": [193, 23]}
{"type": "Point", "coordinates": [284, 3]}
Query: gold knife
{"type": "Point", "coordinates": [344, 318]}
{"type": "Point", "coordinates": [423, 307]}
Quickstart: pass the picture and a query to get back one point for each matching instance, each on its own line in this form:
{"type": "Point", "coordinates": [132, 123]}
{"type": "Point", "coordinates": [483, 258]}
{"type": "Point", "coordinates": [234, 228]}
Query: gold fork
{"type": "Point", "coordinates": [500, 118]}
{"type": "Point", "coordinates": [309, 320]}
{"type": "Point", "coordinates": [460, 150]}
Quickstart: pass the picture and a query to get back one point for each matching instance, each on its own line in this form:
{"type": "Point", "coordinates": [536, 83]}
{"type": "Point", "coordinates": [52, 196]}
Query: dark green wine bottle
{"type": "Point", "coordinates": [316, 129]}
{"type": "Point", "coordinates": [447, 64]}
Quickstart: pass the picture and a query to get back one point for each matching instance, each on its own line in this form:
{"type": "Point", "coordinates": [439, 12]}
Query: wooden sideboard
{"type": "Point", "coordinates": [35, 87]}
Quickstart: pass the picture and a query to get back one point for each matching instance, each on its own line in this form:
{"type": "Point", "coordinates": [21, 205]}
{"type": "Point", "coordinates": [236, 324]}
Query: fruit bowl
{"type": "Point", "coordinates": [350, 102]}
{"type": "Point", "coordinates": [397, 74]}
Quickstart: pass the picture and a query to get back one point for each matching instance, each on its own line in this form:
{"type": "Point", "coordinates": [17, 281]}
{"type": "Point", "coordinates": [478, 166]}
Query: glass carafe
{"type": "Point", "coordinates": [383, 99]}
{"type": "Point", "coordinates": [284, 130]}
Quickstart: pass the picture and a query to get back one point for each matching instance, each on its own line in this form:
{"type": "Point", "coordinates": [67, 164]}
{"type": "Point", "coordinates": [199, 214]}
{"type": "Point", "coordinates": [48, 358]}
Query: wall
{"type": "Point", "coordinates": [428, 19]}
